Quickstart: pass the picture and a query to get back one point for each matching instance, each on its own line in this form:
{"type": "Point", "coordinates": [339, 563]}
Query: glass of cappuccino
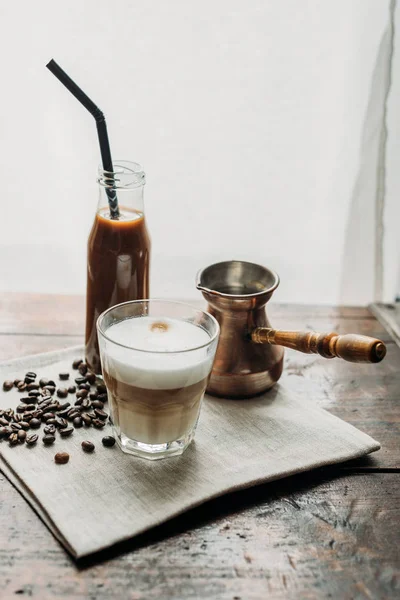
{"type": "Point", "coordinates": [156, 358]}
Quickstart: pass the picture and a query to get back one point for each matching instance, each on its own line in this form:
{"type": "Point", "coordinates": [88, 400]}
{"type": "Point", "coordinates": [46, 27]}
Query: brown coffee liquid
{"type": "Point", "coordinates": [118, 269]}
{"type": "Point", "coordinates": [154, 416]}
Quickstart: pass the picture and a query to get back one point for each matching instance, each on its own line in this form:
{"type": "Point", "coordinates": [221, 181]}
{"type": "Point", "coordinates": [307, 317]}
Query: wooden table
{"type": "Point", "coordinates": [331, 533]}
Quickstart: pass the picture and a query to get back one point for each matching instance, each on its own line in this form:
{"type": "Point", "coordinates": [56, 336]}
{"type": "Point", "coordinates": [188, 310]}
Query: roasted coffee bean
{"type": "Point", "coordinates": [76, 363]}
{"type": "Point", "coordinates": [77, 422]}
{"type": "Point", "coordinates": [84, 386]}
{"type": "Point", "coordinates": [86, 403]}
{"type": "Point", "coordinates": [108, 441]}
{"type": "Point", "coordinates": [27, 400]}
{"type": "Point", "coordinates": [88, 446]}
{"type": "Point", "coordinates": [98, 423]}
{"type": "Point", "coordinates": [3, 431]}
{"type": "Point", "coordinates": [48, 415]}
{"type": "Point", "coordinates": [21, 436]}
{"type": "Point", "coordinates": [79, 380]}
{"type": "Point", "coordinates": [92, 415]}
{"type": "Point", "coordinates": [101, 414]}
{"type": "Point", "coordinates": [62, 392]}
{"type": "Point", "coordinates": [64, 376]}
{"type": "Point", "coordinates": [28, 380]}
{"type": "Point", "coordinates": [13, 439]}
{"type": "Point", "coordinates": [25, 425]}
{"type": "Point", "coordinates": [101, 388]}
{"type": "Point", "coordinates": [3, 422]}
{"type": "Point", "coordinates": [21, 408]}
{"type": "Point", "coordinates": [86, 419]}
{"type": "Point", "coordinates": [71, 389]}
{"type": "Point", "coordinates": [49, 408]}
{"type": "Point", "coordinates": [74, 414]}
{"type": "Point", "coordinates": [78, 402]}
{"type": "Point", "coordinates": [17, 381]}
{"type": "Point", "coordinates": [61, 458]}
{"type": "Point", "coordinates": [50, 389]}
{"type": "Point", "coordinates": [66, 432]}
{"type": "Point", "coordinates": [21, 386]}
{"type": "Point", "coordinates": [93, 395]}
{"type": "Point", "coordinates": [90, 378]}
{"type": "Point", "coordinates": [34, 393]}
{"type": "Point", "coordinates": [61, 423]}
{"type": "Point", "coordinates": [8, 385]}
{"type": "Point", "coordinates": [48, 439]}
{"type": "Point", "coordinates": [51, 422]}
{"type": "Point", "coordinates": [83, 368]}
{"type": "Point", "coordinates": [31, 439]}
{"type": "Point", "coordinates": [81, 393]}
{"type": "Point", "coordinates": [28, 407]}
{"type": "Point", "coordinates": [102, 397]}
{"type": "Point", "coordinates": [64, 405]}
{"type": "Point", "coordinates": [42, 402]}
{"type": "Point", "coordinates": [31, 374]}
{"type": "Point", "coordinates": [34, 423]}
{"type": "Point", "coordinates": [32, 386]}
{"type": "Point", "coordinates": [43, 382]}
{"type": "Point", "coordinates": [51, 429]}
{"type": "Point", "coordinates": [6, 432]}
{"type": "Point", "coordinates": [18, 417]}
{"type": "Point", "coordinates": [36, 414]}
{"type": "Point", "coordinates": [97, 404]}
{"type": "Point", "coordinates": [64, 412]}
{"type": "Point", "coordinates": [15, 426]}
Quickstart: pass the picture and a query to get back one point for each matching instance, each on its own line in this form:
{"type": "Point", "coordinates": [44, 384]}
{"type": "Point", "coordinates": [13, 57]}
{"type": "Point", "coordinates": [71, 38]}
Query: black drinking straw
{"type": "Point", "coordinates": [101, 131]}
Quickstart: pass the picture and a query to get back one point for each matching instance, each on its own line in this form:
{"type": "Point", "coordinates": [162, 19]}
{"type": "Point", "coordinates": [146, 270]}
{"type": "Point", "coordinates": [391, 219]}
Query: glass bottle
{"type": "Point", "coordinates": [118, 251]}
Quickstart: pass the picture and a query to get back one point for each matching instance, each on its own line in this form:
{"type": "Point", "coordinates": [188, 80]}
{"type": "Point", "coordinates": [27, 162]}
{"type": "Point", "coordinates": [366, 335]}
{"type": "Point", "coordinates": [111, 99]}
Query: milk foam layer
{"type": "Point", "coordinates": [163, 365]}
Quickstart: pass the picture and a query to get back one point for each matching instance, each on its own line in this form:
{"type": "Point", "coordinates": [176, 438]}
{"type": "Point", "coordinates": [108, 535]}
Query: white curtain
{"type": "Point", "coordinates": [268, 131]}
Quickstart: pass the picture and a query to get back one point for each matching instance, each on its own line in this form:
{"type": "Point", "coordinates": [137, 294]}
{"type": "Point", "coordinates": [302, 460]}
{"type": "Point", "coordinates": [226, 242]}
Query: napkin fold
{"type": "Point", "coordinates": [99, 499]}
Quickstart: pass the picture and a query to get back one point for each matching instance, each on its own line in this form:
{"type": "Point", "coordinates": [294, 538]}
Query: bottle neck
{"type": "Point", "coordinates": [129, 200]}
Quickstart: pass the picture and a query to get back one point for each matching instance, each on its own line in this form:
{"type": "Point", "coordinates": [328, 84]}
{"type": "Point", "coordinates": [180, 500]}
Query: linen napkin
{"type": "Point", "coordinates": [99, 499]}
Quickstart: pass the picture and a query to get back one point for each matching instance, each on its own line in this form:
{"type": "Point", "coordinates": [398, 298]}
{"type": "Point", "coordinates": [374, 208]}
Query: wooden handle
{"type": "Point", "coordinates": [351, 347]}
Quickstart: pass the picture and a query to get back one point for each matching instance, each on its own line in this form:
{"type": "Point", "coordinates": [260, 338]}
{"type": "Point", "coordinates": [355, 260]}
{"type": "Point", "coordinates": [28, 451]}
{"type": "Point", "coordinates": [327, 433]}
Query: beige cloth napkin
{"type": "Point", "coordinates": [99, 499]}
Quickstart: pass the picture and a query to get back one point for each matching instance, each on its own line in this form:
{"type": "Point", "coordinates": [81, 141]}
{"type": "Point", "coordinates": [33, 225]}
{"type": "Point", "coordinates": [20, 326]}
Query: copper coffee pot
{"type": "Point", "coordinates": [249, 357]}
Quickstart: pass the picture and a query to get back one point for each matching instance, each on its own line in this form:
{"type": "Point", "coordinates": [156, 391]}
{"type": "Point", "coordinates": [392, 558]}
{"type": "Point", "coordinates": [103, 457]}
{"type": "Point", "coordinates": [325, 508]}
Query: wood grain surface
{"type": "Point", "coordinates": [331, 533]}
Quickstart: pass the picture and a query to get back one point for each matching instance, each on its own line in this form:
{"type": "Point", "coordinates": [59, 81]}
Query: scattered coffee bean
{"type": "Point", "coordinates": [102, 397]}
{"type": "Point", "coordinates": [50, 388]}
{"type": "Point", "coordinates": [49, 407]}
{"type": "Point", "coordinates": [66, 432]}
{"type": "Point", "coordinates": [84, 386]}
{"type": "Point", "coordinates": [77, 422]}
{"type": "Point", "coordinates": [52, 383]}
{"type": "Point", "coordinates": [81, 393]}
{"type": "Point", "coordinates": [34, 423]}
{"type": "Point", "coordinates": [64, 412]}
{"type": "Point", "coordinates": [25, 425]}
{"type": "Point", "coordinates": [31, 439]}
{"type": "Point", "coordinates": [60, 422]}
{"type": "Point", "coordinates": [79, 380]}
{"type": "Point", "coordinates": [21, 436]}
{"type": "Point", "coordinates": [74, 414]}
{"type": "Point", "coordinates": [97, 404]}
{"type": "Point", "coordinates": [108, 441]}
{"type": "Point", "coordinates": [43, 382]}
{"type": "Point", "coordinates": [101, 388]}
{"type": "Point", "coordinates": [51, 429]}
{"type": "Point", "coordinates": [90, 378]}
{"type": "Point", "coordinates": [31, 374]}
{"type": "Point", "coordinates": [51, 422]}
{"type": "Point", "coordinates": [86, 403]}
{"type": "Point", "coordinates": [15, 426]}
{"type": "Point", "coordinates": [78, 402]}
{"type": "Point", "coordinates": [29, 379]}
{"type": "Point", "coordinates": [86, 419]}
{"type": "Point", "coordinates": [34, 393]}
{"type": "Point", "coordinates": [21, 386]}
{"type": "Point", "coordinates": [101, 414]}
{"type": "Point", "coordinates": [98, 423]}
{"type": "Point", "coordinates": [48, 439]}
{"type": "Point", "coordinates": [29, 407]}
{"type": "Point", "coordinates": [61, 458]}
{"type": "Point", "coordinates": [9, 414]}
{"type": "Point", "coordinates": [44, 402]}
{"type": "Point", "coordinates": [28, 400]}
{"type": "Point", "coordinates": [62, 392]}
{"type": "Point", "coordinates": [17, 381]}
{"type": "Point", "coordinates": [6, 432]}
{"type": "Point", "coordinates": [93, 395]}
{"type": "Point", "coordinates": [3, 422]}
{"type": "Point", "coordinates": [64, 405]}
{"type": "Point", "coordinates": [8, 385]}
{"type": "Point", "coordinates": [21, 408]}
{"type": "Point", "coordinates": [64, 376]}
{"type": "Point", "coordinates": [88, 446]}
{"type": "Point", "coordinates": [71, 389]}
{"type": "Point", "coordinates": [83, 368]}
{"type": "Point", "coordinates": [76, 363]}
{"type": "Point", "coordinates": [13, 439]}
{"type": "Point", "coordinates": [32, 386]}
{"type": "Point", "coordinates": [47, 416]}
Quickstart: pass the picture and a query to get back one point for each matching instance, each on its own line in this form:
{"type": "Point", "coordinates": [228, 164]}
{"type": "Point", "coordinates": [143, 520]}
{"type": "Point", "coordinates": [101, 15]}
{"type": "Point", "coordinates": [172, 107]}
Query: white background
{"type": "Point", "coordinates": [257, 123]}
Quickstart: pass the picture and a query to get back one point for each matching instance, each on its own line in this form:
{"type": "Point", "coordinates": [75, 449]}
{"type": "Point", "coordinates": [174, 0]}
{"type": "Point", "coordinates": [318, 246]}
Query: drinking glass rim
{"type": "Point", "coordinates": [149, 300]}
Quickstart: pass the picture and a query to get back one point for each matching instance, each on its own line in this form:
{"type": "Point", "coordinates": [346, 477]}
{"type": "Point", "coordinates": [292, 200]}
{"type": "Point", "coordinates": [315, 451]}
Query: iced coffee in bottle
{"type": "Point", "coordinates": [118, 251]}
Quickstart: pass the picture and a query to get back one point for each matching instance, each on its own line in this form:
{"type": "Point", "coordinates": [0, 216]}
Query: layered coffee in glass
{"type": "Point", "coordinates": [156, 359]}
